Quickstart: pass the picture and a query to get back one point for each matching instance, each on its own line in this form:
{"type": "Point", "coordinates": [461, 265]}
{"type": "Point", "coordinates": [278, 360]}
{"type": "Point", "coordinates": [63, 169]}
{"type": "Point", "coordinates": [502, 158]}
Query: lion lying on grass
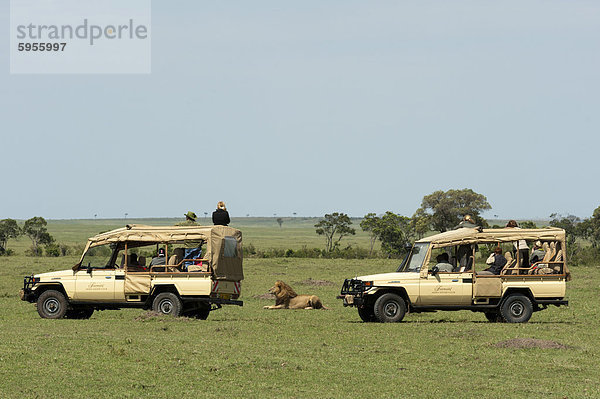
{"type": "Point", "coordinates": [286, 298]}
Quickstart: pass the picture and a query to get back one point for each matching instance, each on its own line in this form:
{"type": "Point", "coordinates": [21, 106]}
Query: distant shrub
{"type": "Point", "coordinates": [52, 250]}
{"type": "Point", "coordinates": [32, 251]}
{"type": "Point", "coordinates": [77, 249]}
{"type": "Point", "coordinates": [584, 256]}
{"type": "Point", "coordinates": [338, 253]}
{"type": "Point", "coordinates": [6, 252]}
{"type": "Point", "coordinates": [65, 249]}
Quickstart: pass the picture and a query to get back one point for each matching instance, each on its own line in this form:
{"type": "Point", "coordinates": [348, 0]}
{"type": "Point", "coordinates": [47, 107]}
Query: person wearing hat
{"type": "Point", "coordinates": [158, 259]}
{"type": "Point", "coordinates": [221, 216]}
{"type": "Point", "coordinates": [538, 253]}
{"type": "Point", "coordinates": [190, 219]}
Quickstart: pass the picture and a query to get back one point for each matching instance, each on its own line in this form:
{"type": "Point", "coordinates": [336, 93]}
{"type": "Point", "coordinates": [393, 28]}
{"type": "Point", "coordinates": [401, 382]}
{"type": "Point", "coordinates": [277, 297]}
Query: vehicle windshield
{"type": "Point", "coordinates": [415, 258]}
{"type": "Point", "coordinates": [98, 257]}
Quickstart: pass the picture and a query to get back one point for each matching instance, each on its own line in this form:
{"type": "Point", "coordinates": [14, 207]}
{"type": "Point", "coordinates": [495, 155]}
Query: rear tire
{"type": "Point", "coordinates": [366, 313]}
{"type": "Point", "coordinates": [201, 312]}
{"type": "Point", "coordinates": [389, 308]}
{"type": "Point", "coordinates": [52, 304]}
{"type": "Point", "coordinates": [167, 303]}
{"type": "Point", "coordinates": [517, 308]}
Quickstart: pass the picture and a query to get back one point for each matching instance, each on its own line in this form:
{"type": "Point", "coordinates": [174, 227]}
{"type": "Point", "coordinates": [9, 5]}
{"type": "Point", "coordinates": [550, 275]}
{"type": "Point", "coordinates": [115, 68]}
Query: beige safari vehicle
{"type": "Point", "coordinates": [201, 270]}
{"type": "Point", "coordinates": [419, 285]}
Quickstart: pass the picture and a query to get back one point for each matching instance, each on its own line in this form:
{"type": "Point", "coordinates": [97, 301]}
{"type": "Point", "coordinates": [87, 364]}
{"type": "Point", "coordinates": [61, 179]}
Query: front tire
{"type": "Point", "coordinates": [389, 308]}
{"type": "Point", "coordinates": [493, 317]}
{"type": "Point", "coordinates": [517, 308]}
{"type": "Point", "coordinates": [52, 304]}
{"type": "Point", "coordinates": [167, 303]}
{"type": "Point", "coordinates": [366, 314]}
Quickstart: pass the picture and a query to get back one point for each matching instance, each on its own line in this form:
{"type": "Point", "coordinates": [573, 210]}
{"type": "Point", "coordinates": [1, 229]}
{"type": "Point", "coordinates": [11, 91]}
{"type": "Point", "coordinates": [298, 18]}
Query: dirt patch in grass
{"type": "Point", "coordinates": [264, 296]}
{"type": "Point", "coordinates": [522, 343]}
{"type": "Point", "coordinates": [316, 283]}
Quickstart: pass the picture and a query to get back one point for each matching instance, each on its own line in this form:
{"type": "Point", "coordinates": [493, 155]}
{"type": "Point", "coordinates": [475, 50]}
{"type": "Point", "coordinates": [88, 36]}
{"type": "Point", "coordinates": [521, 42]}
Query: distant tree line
{"type": "Point", "coordinates": [35, 229]}
{"type": "Point", "coordinates": [441, 211]}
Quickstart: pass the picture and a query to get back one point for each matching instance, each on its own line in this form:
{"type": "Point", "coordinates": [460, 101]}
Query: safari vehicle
{"type": "Point", "coordinates": [112, 273]}
{"type": "Point", "coordinates": [419, 286]}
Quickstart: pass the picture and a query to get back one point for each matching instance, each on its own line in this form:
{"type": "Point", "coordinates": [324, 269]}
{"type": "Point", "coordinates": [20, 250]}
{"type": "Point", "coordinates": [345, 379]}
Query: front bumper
{"type": "Point", "coordinates": [26, 293]}
{"type": "Point", "coordinates": [352, 292]}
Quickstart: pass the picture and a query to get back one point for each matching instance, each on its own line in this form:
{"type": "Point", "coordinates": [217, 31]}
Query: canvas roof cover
{"type": "Point", "coordinates": [475, 235]}
{"type": "Point", "coordinates": [225, 265]}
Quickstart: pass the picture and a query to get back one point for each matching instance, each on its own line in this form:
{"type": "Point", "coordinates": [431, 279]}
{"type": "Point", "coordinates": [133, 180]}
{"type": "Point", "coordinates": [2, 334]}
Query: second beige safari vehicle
{"type": "Point", "coordinates": [201, 270]}
{"type": "Point", "coordinates": [512, 296]}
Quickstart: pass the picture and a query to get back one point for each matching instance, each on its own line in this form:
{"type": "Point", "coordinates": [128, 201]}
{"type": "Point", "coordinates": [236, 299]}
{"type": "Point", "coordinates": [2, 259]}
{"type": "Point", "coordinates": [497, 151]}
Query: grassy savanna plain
{"type": "Point", "coordinates": [251, 352]}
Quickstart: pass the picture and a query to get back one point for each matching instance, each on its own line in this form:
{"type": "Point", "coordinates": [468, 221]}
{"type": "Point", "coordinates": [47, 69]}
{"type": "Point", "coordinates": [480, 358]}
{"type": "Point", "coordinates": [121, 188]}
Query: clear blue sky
{"type": "Point", "coordinates": [317, 106]}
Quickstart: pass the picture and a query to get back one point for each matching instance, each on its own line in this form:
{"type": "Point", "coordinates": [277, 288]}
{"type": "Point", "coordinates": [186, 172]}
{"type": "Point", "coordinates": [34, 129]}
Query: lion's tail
{"type": "Point", "coordinates": [315, 303]}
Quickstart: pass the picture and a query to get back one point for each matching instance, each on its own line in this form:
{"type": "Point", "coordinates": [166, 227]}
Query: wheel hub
{"type": "Point", "coordinates": [51, 306]}
{"type": "Point", "coordinates": [166, 306]}
{"type": "Point", "coordinates": [516, 309]}
{"type": "Point", "coordinates": [390, 309]}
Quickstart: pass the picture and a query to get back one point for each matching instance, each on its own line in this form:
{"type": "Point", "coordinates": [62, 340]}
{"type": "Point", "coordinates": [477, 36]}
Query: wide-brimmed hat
{"type": "Point", "coordinates": [191, 215]}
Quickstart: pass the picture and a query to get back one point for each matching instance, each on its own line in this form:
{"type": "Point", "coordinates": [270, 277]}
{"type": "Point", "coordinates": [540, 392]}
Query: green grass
{"type": "Point", "coordinates": [255, 353]}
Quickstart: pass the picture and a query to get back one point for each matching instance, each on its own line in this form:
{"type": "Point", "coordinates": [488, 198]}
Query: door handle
{"type": "Point", "coordinates": [455, 280]}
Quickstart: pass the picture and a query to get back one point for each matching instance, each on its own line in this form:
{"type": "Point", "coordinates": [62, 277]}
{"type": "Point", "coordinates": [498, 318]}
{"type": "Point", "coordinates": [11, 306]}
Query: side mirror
{"type": "Point", "coordinates": [435, 270]}
{"type": "Point", "coordinates": [89, 269]}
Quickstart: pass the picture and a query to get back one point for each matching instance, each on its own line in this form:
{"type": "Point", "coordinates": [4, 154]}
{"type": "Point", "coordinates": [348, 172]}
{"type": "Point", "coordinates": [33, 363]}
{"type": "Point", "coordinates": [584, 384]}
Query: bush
{"type": "Point", "coordinates": [65, 249]}
{"type": "Point", "coordinates": [6, 252]}
{"type": "Point", "coordinates": [584, 256]}
{"type": "Point", "coordinates": [34, 252]}
{"type": "Point", "coordinates": [77, 249]}
{"type": "Point", "coordinates": [52, 250]}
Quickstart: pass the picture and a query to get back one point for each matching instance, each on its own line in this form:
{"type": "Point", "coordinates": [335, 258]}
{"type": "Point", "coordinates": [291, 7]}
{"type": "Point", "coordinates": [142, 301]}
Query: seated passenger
{"type": "Point", "coordinates": [496, 261]}
{"type": "Point", "coordinates": [538, 253]}
{"type": "Point", "coordinates": [443, 263]}
{"type": "Point", "coordinates": [158, 259]}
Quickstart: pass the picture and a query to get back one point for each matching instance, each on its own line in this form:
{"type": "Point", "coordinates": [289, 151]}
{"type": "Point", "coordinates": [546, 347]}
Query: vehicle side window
{"type": "Point", "coordinates": [97, 257]}
{"type": "Point", "coordinates": [442, 258]}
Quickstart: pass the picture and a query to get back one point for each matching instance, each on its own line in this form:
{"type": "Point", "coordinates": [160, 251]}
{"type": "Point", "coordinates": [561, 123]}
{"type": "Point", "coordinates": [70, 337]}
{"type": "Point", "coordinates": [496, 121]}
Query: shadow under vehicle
{"type": "Point", "coordinates": [418, 285]}
{"type": "Point", "coordinates": [199, 270]}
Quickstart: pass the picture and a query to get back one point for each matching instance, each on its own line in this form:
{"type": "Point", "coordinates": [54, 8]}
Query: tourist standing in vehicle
{"type": "Point", "coordinates": [221, 216]}
{"type": "Point", "coordinates": [190, 220]}
{"type": "Point", "coordinates": [467, 222]}
{"type": "Point", "coordinates": [520, 246]}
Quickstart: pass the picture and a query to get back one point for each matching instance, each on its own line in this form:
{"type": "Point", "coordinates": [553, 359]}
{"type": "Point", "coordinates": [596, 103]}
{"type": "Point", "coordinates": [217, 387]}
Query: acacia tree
{"type": "Point", "coordinates": [35, 229]}
{"type": "Point", "coordinates": [332, 225]}
{"type": "Point", "coordinates": [420, 223]}
{"type": "Point", "coordinates": [394, 233]}
{"type": "Point", "coordinates": [444, 210]}
{"type": "Point", "coordinates": [8, 229]}
{"type": "Point", "coordinates": [594, 228]}
{"type": "Point", "coordinates": [368, 224]}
